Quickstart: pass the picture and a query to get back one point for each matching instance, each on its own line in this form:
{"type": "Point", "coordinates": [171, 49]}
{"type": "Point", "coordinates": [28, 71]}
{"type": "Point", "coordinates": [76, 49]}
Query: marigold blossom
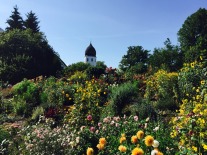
{"type": "Point", "coordinates": [149, 140]}
{"type": "Point", "coordinates": [90, 151]}
{"type": "Point", "coordinates": [134, 139]}
{"type": "Point", "coordinates": [122, 148]}
{"type": "Point", "coordinates": [102, 141]}
{"type": "Point", "coordinates": [140, 134]}
{"type": "Point", "coordinates": [137, 151]}
{"type": "Point", "coordinates": [100, 146]}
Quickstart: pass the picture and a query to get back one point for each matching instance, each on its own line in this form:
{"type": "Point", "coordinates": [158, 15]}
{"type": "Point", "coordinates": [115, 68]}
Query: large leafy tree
{"type": "Point", "coordinates": [24, 54]}
{"type": "Point", "coordinates": [168, 57]}
{"type": "Point", "coordinates": [15, 21]}
{"type": "Point", "coordinates": [193, 35]}
{"type": "Point", "coordinates": [32, 22]}
{"type": "Point", "coordinates": [136, 57]}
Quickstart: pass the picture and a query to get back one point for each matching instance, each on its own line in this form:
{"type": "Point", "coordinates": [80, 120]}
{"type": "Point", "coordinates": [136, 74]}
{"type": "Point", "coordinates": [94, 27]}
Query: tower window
{"type": "Point", "coordinates": [91, 59]}
{"type": "Point", "coordinates": [87, 59]}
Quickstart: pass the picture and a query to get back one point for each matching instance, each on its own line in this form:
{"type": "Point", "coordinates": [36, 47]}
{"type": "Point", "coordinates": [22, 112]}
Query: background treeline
{"type": "Point", "coordinates": [24, 50]}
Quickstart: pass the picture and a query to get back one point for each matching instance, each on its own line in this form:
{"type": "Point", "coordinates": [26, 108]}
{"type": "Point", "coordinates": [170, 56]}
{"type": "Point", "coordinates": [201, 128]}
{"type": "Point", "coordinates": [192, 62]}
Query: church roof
{"type": "Point", "coordinates": [90, 51]}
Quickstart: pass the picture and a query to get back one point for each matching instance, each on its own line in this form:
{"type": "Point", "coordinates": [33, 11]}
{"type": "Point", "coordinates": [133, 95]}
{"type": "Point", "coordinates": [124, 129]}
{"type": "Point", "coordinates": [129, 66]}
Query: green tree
{"type": "Point", "coordinates": [101, 64]}
{"type": "Point", "coordinates": [71, 69]}
{"type": "Point", "coordinates": [24, 54]}
{"type": "Point", "coordinates": [193, 35]}
{"type": "Point", "coordinates": [168, 58]}
{"type": "Point", "coordinates": [32, 22]}
{"type": "Point", "coordinates": [136, 55]}
{"type": "Point", "coordinates": [15, 21]}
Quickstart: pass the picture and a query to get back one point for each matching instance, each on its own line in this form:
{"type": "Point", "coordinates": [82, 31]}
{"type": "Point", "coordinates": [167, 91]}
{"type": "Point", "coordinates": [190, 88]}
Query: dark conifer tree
{"type": "Point", "coordinates": [32, 22]}
{"type": "Point", "coordinates": [15, 21]}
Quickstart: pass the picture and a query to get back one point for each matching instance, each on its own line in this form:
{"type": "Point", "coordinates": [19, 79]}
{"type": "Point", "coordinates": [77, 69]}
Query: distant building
{"type": "Point", "coordinates": [90, 55]}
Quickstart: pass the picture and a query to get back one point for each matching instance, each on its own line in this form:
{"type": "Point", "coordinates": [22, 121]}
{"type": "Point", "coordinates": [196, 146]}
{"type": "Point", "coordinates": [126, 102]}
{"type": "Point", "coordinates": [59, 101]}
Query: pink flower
{"type": "Point", "coordinates": [99, 124]}
{"type": "Point", "coordinates": [136, 118]}
{"type": "Point", "coordinates": [92, 129]}
{"type": "Point", "coordinates": [89, 117]}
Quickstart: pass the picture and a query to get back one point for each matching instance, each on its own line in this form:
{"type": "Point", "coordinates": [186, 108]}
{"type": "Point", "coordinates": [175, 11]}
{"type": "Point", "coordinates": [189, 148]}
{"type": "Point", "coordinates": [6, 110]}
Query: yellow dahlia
{"type": "Point", "coordinates": [134, 139]}
{"type": "Point", "coordinates": [149, 140]}
{"type": "Point", "coordinates": [89, 151]}
{"type": "Point", "coordinates": [122, 139]}
{"type": "Point", "coordinates": [140, 134]}
{"type": "Point", "coordinates": [100, 146]}
{"type": "Point", "coordinates": [122, 148]}
{"type": "Point", "coordinates": [137, 151]}
{"type": "Point", "coordinates": [102, 141]}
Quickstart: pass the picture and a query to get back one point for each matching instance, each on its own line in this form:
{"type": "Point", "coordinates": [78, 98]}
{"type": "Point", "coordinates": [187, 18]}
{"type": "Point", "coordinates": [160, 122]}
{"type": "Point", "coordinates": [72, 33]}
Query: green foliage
{"type": "Point", "coordinates": [71, 69]}
{"type": "Point", "coordinates": [193, 28]}
{"type": "Point", "coordinates": [120, 96]}
{"type": "Point", "coordinates": [78, 77]}
{"type": "Point", "coordinates": [168, 58]}
{"type": "Point", "coordinates": [193, 35]}
{"type": "Point", "coordinates": [25, 54]}
{"type": "Point", "coordinates": [31, 22]}
{"type": "Point", "coordinates": [189, 78]}
{"type": "Point", "coordinates": [3, 134]}
{"type": "Point", "coordinates": [15, 21]}
{"type": "Point", "coordinates": [37, 112]}
{"type": "Point", "coordinates": [95, 71]}
{"type": "Point", "coordinates": [21, 108]}
{"type": "Point", "coordinates": [27, 91]}
{"type": "Point", "coordinates": [162, 87]}
{"type": "Point", "coordinates": [143, 110]}
{"type": "Point", "coordinates": [134, 56]}
{"type": "Point", "coordinates": [56, 93]}
{"type": "Point", "coordinates": [89, 98]}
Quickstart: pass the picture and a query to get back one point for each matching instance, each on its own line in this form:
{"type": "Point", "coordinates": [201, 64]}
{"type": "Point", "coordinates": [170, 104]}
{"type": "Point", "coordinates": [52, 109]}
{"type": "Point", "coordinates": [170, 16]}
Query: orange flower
{"type": "Point", "coordinates": [100, 146]}
{"type": "Point", "coordinates": [102, 141]}
{"type": "Point", "coordinates": [89, 151]}
{"type": "Point", "coordinates": [149, 140]}
{"type": "Point", "coordinates": [140, 134]}
{"type": "Point", "coordinates": [137, 151]}
{"type": "Point", "coordinates": [122, 139]}
{"type": "Point", "coordinates": [134, 139]}
{"type": "Point", "coordinates": [122, 148]}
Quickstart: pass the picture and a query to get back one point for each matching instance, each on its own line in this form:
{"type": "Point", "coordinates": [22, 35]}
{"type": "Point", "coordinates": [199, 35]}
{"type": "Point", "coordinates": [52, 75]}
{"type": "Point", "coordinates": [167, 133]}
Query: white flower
{"type": "Point", "coordinates": [154, 152]}
{"type": "Point", "coordinates": [155, 143]}
{"type": "Point", "coordinates": [156, 128]}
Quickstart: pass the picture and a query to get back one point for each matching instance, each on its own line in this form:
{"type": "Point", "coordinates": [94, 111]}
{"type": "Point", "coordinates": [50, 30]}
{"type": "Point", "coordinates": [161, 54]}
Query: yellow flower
{"type": "Point", "coordinates": [137, 151]}
{"type": "Point", "coordinates": [89, 151]}
{"type": "Point", "coordinates": [204, 146]}
{"type": "Point", "coordinates": [102, 141]}
{"type": "Point", "coordinates": [202, 82]}
{"type": "Point", "coordinates": [192, 64]}
{"type": "Point", "coordinates": [122, 139]}
{"type": "Point", "coordinates": [100, 146]}
{"type": "Point", "coordinates": [134, 139]}
{"type": "Point", "coordinates": [67, 95]}
{"type": "Point", "coordinates": [159, 153]}
{"type": "Point", "coordinates": [140, 134]}
{"type": "Point", "coordinates": [195, 148]}
{"type": "Point", "coordinates": [122, 148]}
{"type": "Point", "coordinates": [149, 140]}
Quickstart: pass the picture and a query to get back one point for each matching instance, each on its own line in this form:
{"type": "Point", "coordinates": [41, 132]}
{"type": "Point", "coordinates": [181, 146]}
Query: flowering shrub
{"type": "Point", "coordinates": [189, 126]}
{"type": "Point", "coordinates": [89, 97]}
{"type": "Point", "coordinates": [162, 88]}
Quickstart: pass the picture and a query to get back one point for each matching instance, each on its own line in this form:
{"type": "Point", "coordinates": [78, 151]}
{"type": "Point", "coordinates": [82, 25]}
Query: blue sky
{"type": "Point", "coordinates": [110, 25]}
